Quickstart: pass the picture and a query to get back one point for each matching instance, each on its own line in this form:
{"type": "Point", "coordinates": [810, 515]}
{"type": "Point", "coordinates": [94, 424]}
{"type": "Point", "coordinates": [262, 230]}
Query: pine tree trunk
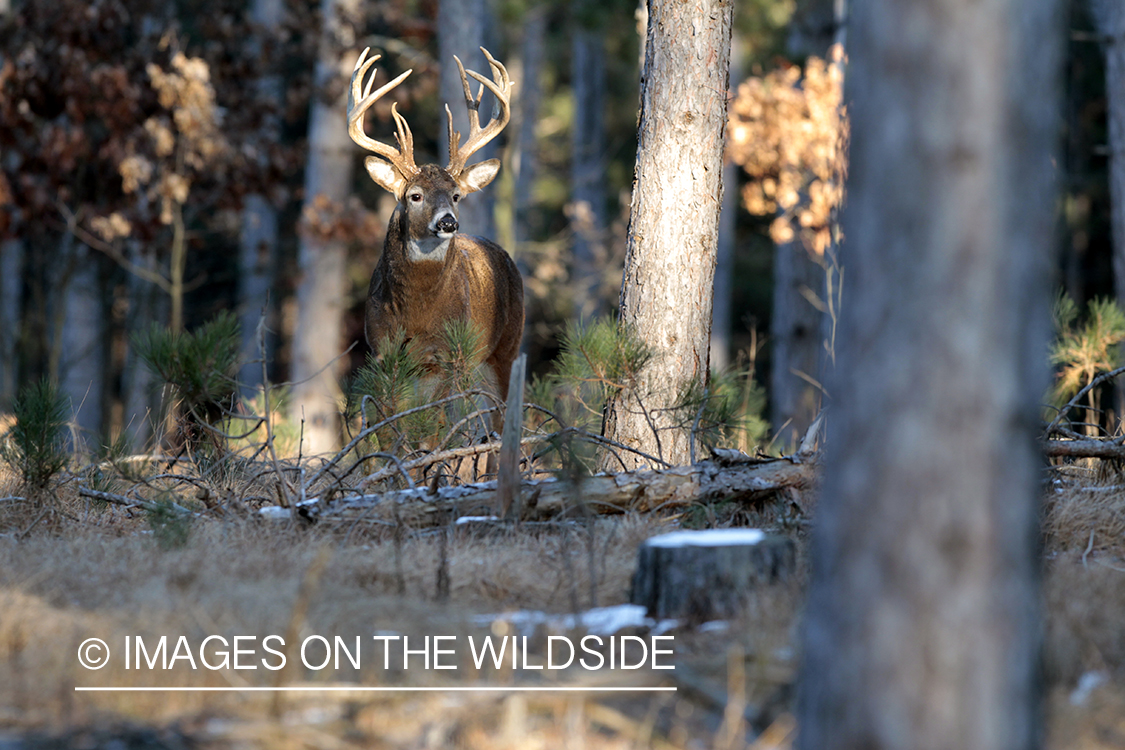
{"type": "Point", "coordinates": [316, 395]}
{"type": "Point", "coordinates": [922, 626]}
{"type": "Point", "coordinates": [666, 290]}
{"type": "Point", "coordinates": [724, 257]}
{"type": "Point", "coordinates": [461, 32]}
{"type": "Point", "coordinates": [587, 168]}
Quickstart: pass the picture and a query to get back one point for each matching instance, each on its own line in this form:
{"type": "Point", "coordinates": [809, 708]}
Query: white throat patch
{"type": "Point", "coordinates": [430, 248]}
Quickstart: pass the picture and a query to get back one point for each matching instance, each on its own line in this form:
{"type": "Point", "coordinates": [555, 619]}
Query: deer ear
{"type": "Point", "coordinates": [385, 176]}
{"type": "Point", "coordinates": [478, 176]}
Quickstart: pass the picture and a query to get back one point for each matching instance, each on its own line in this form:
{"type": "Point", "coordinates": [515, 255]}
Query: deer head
{"type": "Point", "coordinates": [396, 171]}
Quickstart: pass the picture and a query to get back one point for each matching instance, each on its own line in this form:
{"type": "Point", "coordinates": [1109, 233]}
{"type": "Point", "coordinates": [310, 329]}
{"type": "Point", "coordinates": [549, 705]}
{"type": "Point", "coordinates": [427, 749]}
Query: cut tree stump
{"type": "Point", "coordinates": [708, 575]}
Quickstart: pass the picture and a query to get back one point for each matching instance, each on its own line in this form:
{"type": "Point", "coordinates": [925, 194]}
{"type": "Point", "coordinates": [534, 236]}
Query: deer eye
{"type": "Point", "coordinates": [416, 197]}
{"type": "Point", "coordinates": [456, 197]}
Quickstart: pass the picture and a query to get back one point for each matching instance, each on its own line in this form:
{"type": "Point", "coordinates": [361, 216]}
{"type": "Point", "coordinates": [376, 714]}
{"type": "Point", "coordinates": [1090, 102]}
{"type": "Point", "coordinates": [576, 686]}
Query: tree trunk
{"type": "Point", "coordinates": [707, 575]}
{"type": "Point", "coordinates": [587, 165]}
{"type": "Point", "coordinates": [461, 32]}
{"type": "Point", "coordinates": [677, 193]}
{"type": "Point", "coordinates": [1109, 18]}
{"type": "Point", "coordinates": [11, 292]}
{"type": "Point", "coordinates": [526, 158]}
{"type": "Point", "coordinates": [83, 362]}
{"type": "Point", "coordinates": [141, 389]}
{"type": "Point", "coordinates": [812, 28]}
{"type": "Point", "coordinates": [316, 396]}
{"type": "Point", "coordinates": [724, 256]}
{"type": "Point", "coordinates": [922, 627]}
{"type": "Point", "coordinates": [796, 328]}
{"type": "Point", "coordinates": [257, 258]}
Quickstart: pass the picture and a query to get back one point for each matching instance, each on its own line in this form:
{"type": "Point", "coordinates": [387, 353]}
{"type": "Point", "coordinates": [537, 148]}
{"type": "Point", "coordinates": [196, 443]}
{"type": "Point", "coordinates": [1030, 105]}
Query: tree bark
{"type": "Point", "coordinates": [587, 165]}
{"type": "Point", "coordinates": [666, 290]}
{"type": "Point", "coordinates": [316, 395]}
{"type": "Point", "coordinates": [922, 626]}
{"type": "Point", "coordinates": [708, 575]}
{"type": "Point", "coordinates": [721, 323]}
{"type": "Point", "coordinates": [461, 32]}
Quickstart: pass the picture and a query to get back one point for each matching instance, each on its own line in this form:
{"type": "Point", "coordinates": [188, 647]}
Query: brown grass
{"type": "Point", "coordinates": [102, 572]}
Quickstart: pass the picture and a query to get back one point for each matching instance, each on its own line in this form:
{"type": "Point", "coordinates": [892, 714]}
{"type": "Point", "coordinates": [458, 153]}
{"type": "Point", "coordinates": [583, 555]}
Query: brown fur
{"type": "Point", "coordinates": [476, 281]}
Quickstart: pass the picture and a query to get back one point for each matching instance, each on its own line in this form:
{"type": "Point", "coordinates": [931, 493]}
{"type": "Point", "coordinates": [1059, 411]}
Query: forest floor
{"type": "Point", "coordinates": [111, 573]}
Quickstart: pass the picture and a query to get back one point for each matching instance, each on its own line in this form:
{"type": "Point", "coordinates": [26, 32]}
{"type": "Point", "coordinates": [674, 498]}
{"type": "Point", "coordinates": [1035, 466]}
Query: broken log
{"type": "Point", "coordinates": [706, 575]}
{"type": "Point", "coordinates": [740, 479]}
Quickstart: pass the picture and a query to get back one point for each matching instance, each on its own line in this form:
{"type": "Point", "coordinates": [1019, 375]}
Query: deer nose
{"type": "Point", "coordinates": [446, 224]}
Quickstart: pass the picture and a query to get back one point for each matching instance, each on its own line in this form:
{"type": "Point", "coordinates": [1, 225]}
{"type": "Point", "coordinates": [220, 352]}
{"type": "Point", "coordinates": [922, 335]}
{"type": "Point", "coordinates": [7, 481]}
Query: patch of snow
{"type": "Point", "coordinates": [708, 538]}
{"type": "Point", "coordinates": [599, 621]}
{"type": "Point", "coordinates": [472, 519]}
{"type": "Point", "coordinates": [275, 513]}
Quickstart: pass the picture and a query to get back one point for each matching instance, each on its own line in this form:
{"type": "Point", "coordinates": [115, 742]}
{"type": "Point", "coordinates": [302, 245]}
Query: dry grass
{"type": "Point", "coordinates": [103, 572]}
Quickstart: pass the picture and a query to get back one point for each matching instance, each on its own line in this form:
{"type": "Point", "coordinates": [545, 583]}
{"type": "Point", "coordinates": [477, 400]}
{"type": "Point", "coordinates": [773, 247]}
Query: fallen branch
{"type": "Point", "coordinates": [740, 478]}
{"type": "Point", "coordinates": [1085, 448]}
{"type": "Point", "coordinates": [109, 497]}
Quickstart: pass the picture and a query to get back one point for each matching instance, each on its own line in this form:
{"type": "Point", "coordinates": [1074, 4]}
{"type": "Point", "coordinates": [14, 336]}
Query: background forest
{"type": "Point", "coordinates": [163, 162]}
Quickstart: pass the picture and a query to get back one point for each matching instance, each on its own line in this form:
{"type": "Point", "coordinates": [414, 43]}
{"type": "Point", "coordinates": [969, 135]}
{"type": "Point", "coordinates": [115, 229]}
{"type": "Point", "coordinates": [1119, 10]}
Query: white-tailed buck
{"type": "Point", "coordinates": [429, 273]}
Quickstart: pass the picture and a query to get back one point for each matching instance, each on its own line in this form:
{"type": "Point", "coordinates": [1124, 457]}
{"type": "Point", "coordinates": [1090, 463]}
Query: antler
{"type": "Point", "coordinates": [360, 100]}
{"type": "Point", "coordinates": [501, 88]}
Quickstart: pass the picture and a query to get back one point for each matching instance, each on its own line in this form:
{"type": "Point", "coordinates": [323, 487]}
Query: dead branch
{"type": "Point", "coordinates": [741, 478]}
{"type": "Point", "coordinates": [109, 497]}
{"type": "Point", "coordinates": [1085, 448]}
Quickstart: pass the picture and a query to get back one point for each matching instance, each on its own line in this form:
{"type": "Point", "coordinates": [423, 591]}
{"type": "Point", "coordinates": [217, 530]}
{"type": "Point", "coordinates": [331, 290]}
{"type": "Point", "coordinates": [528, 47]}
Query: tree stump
{"type": "Point", "coordinates": [707, 575]}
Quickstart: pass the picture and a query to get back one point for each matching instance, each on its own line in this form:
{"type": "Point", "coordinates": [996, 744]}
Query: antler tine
{"type": "Point", "coordinates": [360, 99]}
{"type": "Point", "coordinates": [501, 88]}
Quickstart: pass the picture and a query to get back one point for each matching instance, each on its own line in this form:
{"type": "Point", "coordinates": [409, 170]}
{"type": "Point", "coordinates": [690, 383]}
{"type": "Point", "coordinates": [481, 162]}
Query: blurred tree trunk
{"type": "Point", "coordinates": [11, 291]}
{"type": "Point", "coordinates": [461, 32]}
{"type": "Point", "coordinates": [141, 390]}
{"type": "Point", "coordinates": [668, 281]}
{"type": "Point", "coordinates": [922, 627]}
{"type": "Point", "coordinates": [257, 257]}
{"type": "Point", "coordinates": [797, 342]}
{"type": "Point", "coordinates": [525, 160]}
{"type": "Point", "coordinates": [798, 322]}
{"type": "Point", "coordinates": [83, 346]}
{"type": "Point", "coordinates": [1109, 19]}
{"type": "Point", "coordinates": [813, 28]}
{"type": "Point", "coordinates": [588, 161]}
{"type": "Point", "coordinates": [322, 288]}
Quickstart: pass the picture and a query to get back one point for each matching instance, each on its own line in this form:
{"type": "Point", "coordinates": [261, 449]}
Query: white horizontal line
{"type": "Point", "coordinates": [365, 689]}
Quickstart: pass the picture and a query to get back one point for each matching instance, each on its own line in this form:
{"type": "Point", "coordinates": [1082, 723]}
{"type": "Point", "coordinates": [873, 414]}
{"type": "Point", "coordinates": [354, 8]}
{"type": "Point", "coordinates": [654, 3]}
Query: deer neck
{"type": "Point", "coordinates": [404, 247]}
{"type": "Point", "coordinates": [410, 263]}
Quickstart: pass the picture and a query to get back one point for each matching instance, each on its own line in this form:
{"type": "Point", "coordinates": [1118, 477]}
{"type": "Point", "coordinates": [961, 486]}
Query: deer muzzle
{"type": "Point", "coordinates": [446, 224]}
